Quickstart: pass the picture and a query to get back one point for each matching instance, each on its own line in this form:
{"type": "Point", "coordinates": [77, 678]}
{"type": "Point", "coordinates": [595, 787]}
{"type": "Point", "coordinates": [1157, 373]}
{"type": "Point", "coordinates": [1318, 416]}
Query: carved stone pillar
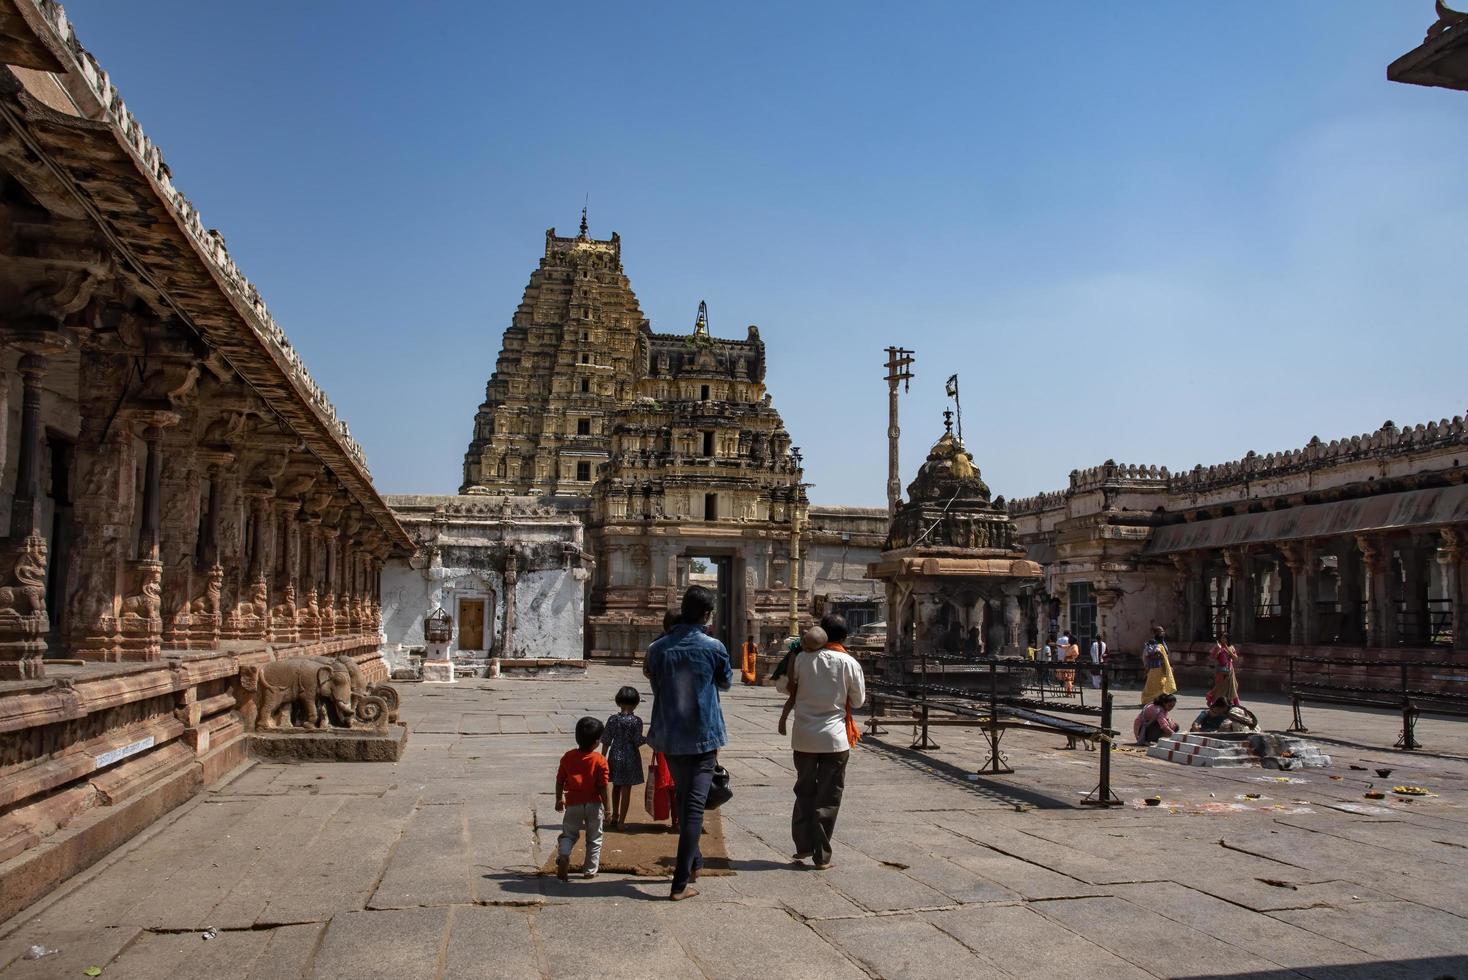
{"type": "Point", "coordinates": [1350, 591]}
{"type": "Point", "coordinates": [374, 593]}
{"type": "Point", "coordinates": [1301, 559]}
{"type": "Point", "coordinates": [251, 617]}
{"type": "Point", "coordinates": [233, 550]}
{"type": "Point", "coordinates": [1013, 627]}
{"type": "Point", "coordinates": [1108, 594]}
{"type": "Point", "coordinates": [180, 488]}
{"type": "Point", "coordinates": [1241, 594]}
{"type": "Point", "coordinates": [923, 607]}
{"type": "Point", "coordinates": [308, 617]}
{"type": "Point", "coordinates": [206, 601]}
{"type": "Point", "coordinates": [141, 623]}
{"type": "Point", "coordinates": [364, 592]}
{"type": "Point", "coordinates": [329, 624]}
{"type": "Point", "coordinates": [512, 574]}
{"type": "Point", "coordinates": [287, 563]}
{"type": "Point", "coordinates": [347, 616]}
{"type": "Point", "coordinates": [23, 619]}
{"type": "Point", "coordinates": [102, 508]}
{"type": "Point", "coordinates": [1380, 613]}
{"type": "Point", "coordinates": [1450, 555]}
{"type": "Point", "coordinates": [1416, 625]}
{"type": "Point", "coordinates": [1180, 575]}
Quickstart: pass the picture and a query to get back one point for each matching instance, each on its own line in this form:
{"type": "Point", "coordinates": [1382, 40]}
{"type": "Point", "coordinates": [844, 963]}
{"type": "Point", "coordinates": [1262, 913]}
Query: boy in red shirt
{"type": "Point", "coordinates": [583, 794]}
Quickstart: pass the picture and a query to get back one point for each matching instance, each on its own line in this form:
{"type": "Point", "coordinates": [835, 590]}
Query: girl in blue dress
{"type": "Point", "coordinates": [621, 744]}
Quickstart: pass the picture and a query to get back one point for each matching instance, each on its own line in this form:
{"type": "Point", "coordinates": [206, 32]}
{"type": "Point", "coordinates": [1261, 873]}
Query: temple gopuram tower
{"type": "Point", "coordinates": [565, 366]}
{"type": "Point", "coordinates": [666, 446]}
{"type": "Point", "coordinates": [701, 470]}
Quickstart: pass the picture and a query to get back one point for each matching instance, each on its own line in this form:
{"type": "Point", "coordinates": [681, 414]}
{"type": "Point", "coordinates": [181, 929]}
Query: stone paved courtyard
{"type": "Point", "coordinates": [426, 868]}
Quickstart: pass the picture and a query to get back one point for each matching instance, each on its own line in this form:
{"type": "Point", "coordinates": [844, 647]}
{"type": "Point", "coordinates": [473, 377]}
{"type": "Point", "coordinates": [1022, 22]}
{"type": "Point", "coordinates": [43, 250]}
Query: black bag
{"type": "Point", "coordinates": [719, 791]}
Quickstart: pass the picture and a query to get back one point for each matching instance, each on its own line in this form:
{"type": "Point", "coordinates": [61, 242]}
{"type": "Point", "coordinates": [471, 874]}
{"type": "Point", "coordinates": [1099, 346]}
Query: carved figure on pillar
{"type": "Point", "coordinates": [142, 611]}
{"type": "Point", "coordinates": [23, 619]}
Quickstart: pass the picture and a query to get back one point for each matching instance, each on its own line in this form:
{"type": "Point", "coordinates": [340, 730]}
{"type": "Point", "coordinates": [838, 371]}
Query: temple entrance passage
{"type": "Point", "coordinates": [713, 572]}
{"type": "Point", "coordinates": [471, 624]}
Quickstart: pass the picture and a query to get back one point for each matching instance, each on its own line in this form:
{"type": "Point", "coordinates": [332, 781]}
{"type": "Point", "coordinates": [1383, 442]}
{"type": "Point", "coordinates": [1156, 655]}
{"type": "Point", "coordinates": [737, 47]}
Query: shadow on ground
{"type": "Point", "coordinates": [955, 775]}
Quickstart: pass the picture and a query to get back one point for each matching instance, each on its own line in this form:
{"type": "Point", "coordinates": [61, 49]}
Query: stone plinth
{"type": "Point", "coordinates": [330, 745]}
{"type": "Point", "coordinates": [437, 668]}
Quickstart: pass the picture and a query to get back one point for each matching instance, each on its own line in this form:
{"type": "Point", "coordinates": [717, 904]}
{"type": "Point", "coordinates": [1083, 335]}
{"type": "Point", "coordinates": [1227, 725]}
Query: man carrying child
{"type": "Point", "coordinates": [825, 684]}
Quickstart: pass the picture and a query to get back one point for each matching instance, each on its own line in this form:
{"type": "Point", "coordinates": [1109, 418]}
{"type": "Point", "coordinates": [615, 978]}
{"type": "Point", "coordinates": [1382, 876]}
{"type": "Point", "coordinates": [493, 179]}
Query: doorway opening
{"type": "Point", "coordinates": [471, 624]}
{"type": "Point", "coordinates": [714, 572]}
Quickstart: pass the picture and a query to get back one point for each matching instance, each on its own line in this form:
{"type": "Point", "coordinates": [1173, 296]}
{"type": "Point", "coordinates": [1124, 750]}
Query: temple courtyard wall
{"type": "Point", "coordinates": [1347, 550]}
{"type": "Point", "coordinates": [510, 573]}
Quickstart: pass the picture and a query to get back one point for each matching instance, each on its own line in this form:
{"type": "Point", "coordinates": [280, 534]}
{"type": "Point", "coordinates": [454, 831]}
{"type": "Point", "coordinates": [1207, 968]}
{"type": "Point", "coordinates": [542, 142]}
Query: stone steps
{"type": "Point", "coordinates": [1194, 749]}
{"type": "Point", "coordinates": [1199, 750]}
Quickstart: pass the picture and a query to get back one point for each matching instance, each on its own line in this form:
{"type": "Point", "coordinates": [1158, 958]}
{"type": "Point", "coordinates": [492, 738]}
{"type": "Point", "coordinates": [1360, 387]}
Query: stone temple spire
{"type": "Point", "coordinates": [585, 231]}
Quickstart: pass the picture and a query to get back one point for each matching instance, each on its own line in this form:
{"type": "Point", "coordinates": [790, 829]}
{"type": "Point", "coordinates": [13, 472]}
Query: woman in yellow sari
{"type": "Point", "coordinates": [1159, 667]}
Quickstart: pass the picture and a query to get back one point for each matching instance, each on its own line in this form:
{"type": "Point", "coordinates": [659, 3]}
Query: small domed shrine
{"type": "Point", "coordinates": [956, 581]}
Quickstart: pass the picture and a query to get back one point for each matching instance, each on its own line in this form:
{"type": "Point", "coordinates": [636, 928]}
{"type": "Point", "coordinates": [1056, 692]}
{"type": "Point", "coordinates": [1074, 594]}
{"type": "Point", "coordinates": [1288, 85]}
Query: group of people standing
{"type": "Point", "coordinates": [1066, 648]}
{"type": "Point", "coordinates": [1159, 693]}
{"type": "Point", "coordinates": [687, 668]}
{"type": "Point", "coordinates": [1158, 661]}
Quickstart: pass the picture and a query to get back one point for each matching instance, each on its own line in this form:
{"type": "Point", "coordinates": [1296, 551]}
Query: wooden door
{"type": "Point", "coordinates": [471, 624]}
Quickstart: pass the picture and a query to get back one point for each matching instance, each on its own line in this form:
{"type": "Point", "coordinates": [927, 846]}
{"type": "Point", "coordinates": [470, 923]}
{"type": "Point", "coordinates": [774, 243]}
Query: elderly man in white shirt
{"type": "Point", "coordinates": [827, 683]}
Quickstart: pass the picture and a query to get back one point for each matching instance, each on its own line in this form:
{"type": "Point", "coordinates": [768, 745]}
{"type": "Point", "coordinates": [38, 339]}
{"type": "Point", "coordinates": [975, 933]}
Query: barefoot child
{"type": "Point", "coordinates": [581, 794]}
{"type": "Point", "coordinates": [810, 641]}
{"type": "Point", "coordinates": [621, 744]}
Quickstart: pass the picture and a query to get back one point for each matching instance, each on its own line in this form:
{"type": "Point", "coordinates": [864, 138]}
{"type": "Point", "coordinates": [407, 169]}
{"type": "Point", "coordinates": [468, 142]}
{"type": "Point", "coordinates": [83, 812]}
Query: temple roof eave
{"type": "Point", "coordinates": [126, 195]}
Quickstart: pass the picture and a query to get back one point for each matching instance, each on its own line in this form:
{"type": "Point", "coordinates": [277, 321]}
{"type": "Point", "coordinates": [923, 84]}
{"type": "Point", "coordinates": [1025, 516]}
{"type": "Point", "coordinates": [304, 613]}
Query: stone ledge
{"type": "Point", "coordinates": [64, 834]}
{"type": "Point", "coordinates": [330, 745]}
{"type": "Point", "coordinates": [532, 663]}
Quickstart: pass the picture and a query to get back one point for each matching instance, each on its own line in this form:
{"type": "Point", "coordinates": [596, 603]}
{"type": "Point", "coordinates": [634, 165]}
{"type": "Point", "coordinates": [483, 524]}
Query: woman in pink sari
{"type": "Point", "coordinates": [1225, 657]}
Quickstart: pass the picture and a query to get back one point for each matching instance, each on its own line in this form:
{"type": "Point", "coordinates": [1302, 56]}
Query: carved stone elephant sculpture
{"type": "Point", "coordinates": [360, 688]}
{"type": "Point", "coordinates": [299, 683]}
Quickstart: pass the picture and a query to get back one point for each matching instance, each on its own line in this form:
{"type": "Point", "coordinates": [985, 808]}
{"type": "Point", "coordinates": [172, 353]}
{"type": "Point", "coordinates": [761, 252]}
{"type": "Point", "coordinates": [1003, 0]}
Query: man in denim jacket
{"type": "Point", "coordinates": [688, 668]}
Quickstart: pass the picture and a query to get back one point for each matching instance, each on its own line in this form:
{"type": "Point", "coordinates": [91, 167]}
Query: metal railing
{"type": "Point", "coordinates": [993, 707]}
{"type": "Point", "coordinates": [1323, 683]}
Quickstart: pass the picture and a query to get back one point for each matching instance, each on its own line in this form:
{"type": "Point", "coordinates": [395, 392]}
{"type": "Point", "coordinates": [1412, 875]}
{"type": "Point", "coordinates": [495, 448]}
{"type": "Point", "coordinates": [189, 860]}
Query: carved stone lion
{"type": "Point", "coordinates": [208, 601]}
{"type": "Point", "coordinates": [24, 594]}
{"type": "Point", "coordinates": [145, 602]}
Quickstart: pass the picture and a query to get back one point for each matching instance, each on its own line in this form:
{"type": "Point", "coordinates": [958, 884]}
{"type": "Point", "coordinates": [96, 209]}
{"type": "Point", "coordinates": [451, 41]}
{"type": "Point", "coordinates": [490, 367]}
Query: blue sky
{"type": "Point", "coordinates": [1158, 232]}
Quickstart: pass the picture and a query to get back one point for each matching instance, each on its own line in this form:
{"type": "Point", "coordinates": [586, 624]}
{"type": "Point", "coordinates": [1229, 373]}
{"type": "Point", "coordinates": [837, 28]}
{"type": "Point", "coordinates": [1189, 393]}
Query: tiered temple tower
{"type": "Point", "coordinates": [701, 466]}
{"type": "Point", "coordinates": [666, 444]}
{"type": "Point", "coordinates": [565, 366]}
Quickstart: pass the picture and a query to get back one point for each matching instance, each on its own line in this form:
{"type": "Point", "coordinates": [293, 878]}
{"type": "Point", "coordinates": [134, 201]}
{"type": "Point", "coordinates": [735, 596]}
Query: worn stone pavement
{"type": "Point", "coordinates": [425, 868]}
